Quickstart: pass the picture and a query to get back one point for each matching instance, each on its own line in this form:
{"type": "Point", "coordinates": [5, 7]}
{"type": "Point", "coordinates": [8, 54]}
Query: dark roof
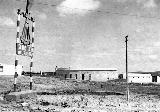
{"type": "Point", "coordinates": [156, 73]}
{"type": "Point", "coordinates": [139, 72]}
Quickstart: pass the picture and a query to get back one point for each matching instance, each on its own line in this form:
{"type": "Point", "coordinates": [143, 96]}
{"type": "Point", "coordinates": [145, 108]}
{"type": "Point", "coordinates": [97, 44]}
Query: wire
{"type": "Point", "coordinates": [99, 11]}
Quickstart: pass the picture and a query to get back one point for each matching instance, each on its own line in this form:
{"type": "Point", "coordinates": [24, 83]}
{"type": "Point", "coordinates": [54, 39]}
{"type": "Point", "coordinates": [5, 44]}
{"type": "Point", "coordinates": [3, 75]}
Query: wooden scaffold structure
{"type": "Point", "coordinates": [25, 41]}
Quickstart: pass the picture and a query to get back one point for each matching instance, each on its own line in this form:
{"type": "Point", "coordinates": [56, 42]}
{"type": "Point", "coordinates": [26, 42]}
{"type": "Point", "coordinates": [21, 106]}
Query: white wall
{"type": "Point", "coordinates": [10, 69]}
{"type": "Point", "coordinates": [95, 75]}
{"type": "Point", "coordinates": [158, 79]}
{"type": "Point", "coordinates": [104, 75]}
{"type": "Point", "coordinates": [139, 78]}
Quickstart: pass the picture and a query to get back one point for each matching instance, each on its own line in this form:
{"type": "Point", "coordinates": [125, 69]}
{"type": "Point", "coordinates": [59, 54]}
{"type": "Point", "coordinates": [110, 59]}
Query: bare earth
{"type": "Point", "coordinates": [55, 95]}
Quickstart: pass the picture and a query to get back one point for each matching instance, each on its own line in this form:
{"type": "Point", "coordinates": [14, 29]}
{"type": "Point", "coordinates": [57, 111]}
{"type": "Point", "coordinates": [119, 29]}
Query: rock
{"type": "Point", "coordinates": [33, 107]}
{"type": "Point", "coordinates": [24, 104]}
{"type": "Point", "coordinates": [44, 103]}
{"type": "Point", "coordinates": [1, 98]}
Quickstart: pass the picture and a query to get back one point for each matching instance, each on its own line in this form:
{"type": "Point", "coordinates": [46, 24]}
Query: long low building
{"type": "Point", "coordinates": [91, 74]}
{"type": "Point", "coordinates": [140, 77]}
{"type": "Point", "coordinates": [6, 70]}
{"type": "Point", "coordinates": [143, 77]}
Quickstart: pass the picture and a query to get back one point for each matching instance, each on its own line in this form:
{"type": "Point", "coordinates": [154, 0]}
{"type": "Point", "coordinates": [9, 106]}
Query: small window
{"type": "Point", "coordinates": [1, 68]}
{"type": "Point", "coordinates": [133, 77]}
{"type": "Point", "coordinates": [82, 76]}
{"type": "Point", "coordinates": [108, 78]}
{"type": "Point", "coordinates": [76, 76]}
{"type": "Point", "coordinates": [138, 77]}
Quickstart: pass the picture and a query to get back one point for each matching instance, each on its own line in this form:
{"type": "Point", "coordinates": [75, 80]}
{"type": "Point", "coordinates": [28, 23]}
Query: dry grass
{"type": "Point", "coordinates": [68, 98]}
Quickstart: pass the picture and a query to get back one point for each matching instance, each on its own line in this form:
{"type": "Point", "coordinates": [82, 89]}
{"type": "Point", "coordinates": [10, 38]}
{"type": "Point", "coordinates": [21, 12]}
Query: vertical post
{"type": "Point", "coordinates": [17, 47]}
{"type": "Point", "coordinates": [127, 68]}
{"type": "Point", "coordinates": [32, 49]}
{"type": "Point", "coordinates": [33, 27]}
{"type": "Point", "coordinates": [18, 30]}
{"type": "Point", "coordinates": [27, 5]}
{"type": "Point", "coordinates": [15, 75]}
{"type": "Point", "coordinates": [31, 65]}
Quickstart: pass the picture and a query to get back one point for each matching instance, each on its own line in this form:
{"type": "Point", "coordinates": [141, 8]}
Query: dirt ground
{"type": "Point", "coordinates": [54, 95]}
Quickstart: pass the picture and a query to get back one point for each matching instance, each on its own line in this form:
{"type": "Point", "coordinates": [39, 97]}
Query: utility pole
{"type": "Point", "coordinates": [27, 5]}
{"type": "Point", "coordinates": [127, 68]}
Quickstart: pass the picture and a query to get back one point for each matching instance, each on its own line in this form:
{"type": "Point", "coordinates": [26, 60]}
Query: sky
{"type": "Point", "coordinates": [85, 34]}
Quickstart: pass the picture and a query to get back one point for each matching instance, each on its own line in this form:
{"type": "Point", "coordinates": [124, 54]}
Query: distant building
{"type": "Point", "coordinates": [143, 77]}
{"type": "Point", "coordinates": [95, 74]}
{"type": "Point", "coordinates": [139, 77]}
{"type": "Point", "coordinates": [10, 69]}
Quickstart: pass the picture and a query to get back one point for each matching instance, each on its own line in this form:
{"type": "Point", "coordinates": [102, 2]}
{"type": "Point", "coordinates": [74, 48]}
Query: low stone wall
{"type": "Point", "coordinates": [20, 96]}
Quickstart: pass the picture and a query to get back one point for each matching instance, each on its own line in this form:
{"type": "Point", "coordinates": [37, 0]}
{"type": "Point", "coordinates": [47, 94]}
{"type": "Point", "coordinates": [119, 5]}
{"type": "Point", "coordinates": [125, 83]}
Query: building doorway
{"type": "Point", "coordinates": [65, 76]}
{"type": "Point", "coordinates": [70, 76]}
{"type": "Point", "coordinates": [82, 76]}
{"type": "Point", "coordinates": [154, 78]}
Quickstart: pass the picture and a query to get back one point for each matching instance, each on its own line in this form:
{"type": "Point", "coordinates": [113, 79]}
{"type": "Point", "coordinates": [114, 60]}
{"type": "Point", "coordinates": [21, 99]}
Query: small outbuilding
{"type": "Point", "coordinates": [139, 77]}
{"type": "Point", "coordinates": [7, 70]}
{"type": "Point", "coordinates": [143, 77]}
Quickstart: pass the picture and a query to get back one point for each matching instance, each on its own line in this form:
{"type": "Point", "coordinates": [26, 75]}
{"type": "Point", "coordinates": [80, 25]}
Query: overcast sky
{"type": "Point", "coordinates": [86, 34]}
